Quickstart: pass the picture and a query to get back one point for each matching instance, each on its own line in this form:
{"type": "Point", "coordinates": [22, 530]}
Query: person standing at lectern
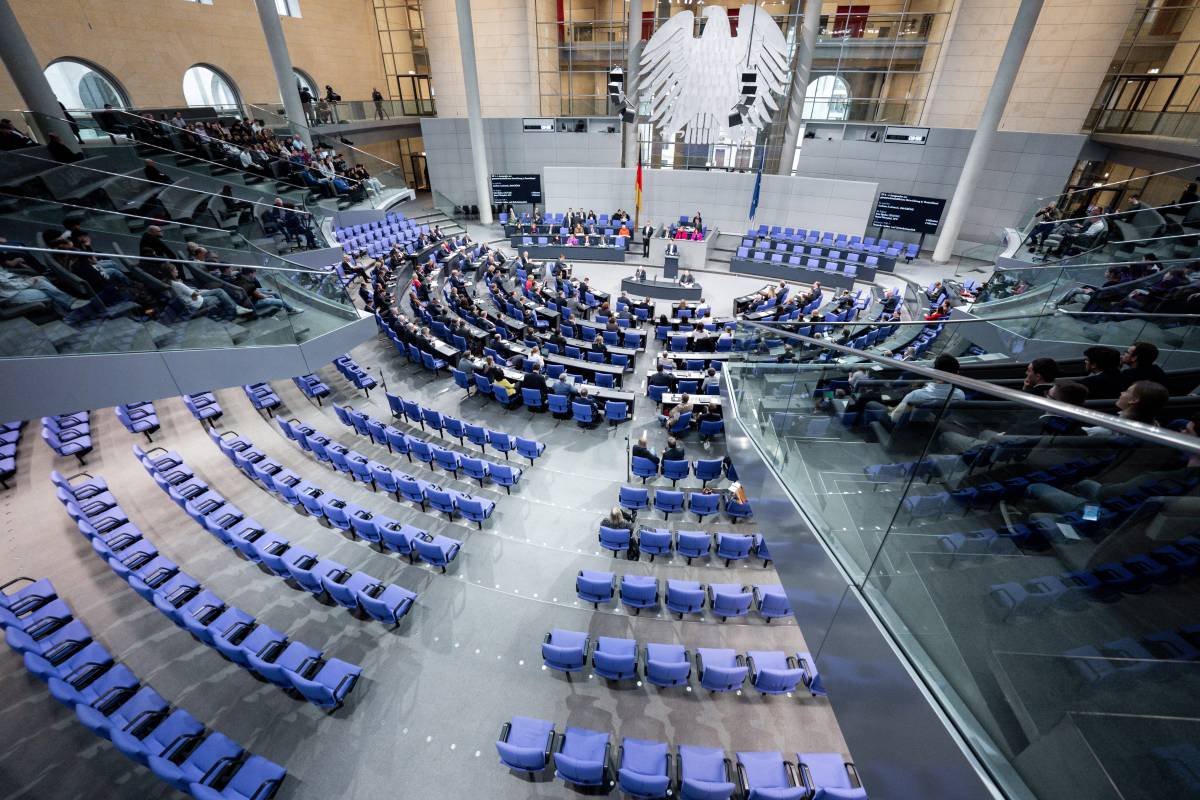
{"type": "Point", "coordinates": [639, 274]}
{"type": "Point", "coordinates": [647, 232]}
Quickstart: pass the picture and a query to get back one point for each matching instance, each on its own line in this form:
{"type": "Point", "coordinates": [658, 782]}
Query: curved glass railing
{"type": "Point", "coordinates": [347, 111]}
{"type": "Point", "coordinates": [1036, 563]}
{"type": "Point", "coordinates": [65, 301]}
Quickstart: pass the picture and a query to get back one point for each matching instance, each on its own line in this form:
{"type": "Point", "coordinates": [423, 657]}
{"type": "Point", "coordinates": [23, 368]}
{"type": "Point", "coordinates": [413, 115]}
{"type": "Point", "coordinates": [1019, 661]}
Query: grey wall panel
{"type": "Point", "coordinates": [202, 370]}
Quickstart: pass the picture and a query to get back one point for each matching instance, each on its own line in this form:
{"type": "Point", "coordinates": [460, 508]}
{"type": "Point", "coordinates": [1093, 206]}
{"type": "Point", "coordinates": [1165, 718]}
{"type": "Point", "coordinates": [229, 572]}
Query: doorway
{"type": "Point", "coordinates": [416, 95]}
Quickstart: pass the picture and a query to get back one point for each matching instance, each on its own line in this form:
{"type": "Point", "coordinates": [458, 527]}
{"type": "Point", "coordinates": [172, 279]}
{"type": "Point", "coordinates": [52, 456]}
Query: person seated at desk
{"type": "Point", "coordinates": [535, 380]}
{"type": "Point", "coordinates": [572, 241]}
{"type": "Point", "coordinates": [787, 356]}
{"type": "Point", "coordinates": [686, 279]}
{"type": "Point", "coordinates": [642, 450]}
{"type": "Point", "coordinates": [504, 383]}
{"type": "Point", "coordinates": [660, 377]}
{"type": "Point", "coordinates": [612, 326]}
{"type": "Point", "coordinates": [710, 413]}
{"type": "Point", "coordinates": [589, 401]}
{"type": "Point", "coordinates": [598, 345]}
{"type": "Point", "coordinates": [685, 405]}
{"type": "Point", "coordinates": [681, 233]}
{"type": "Point", "coordinates": [711, 381]}
{"type": "Point", "coordinates": [534, 360]}
{"type": "Point", "coordinates": [561, 268]}
{"type": "Point", "coordinates": [674, 451]}
{"type": "Point", "coordinates": [624, 231]}
{"type": "Point", "coordinates": [665, 361]}
{"type": "Point", "coordinates": [467, 363]}
{"type": "Point", "coordinates": [618, 518]}
{"type": "Point", "coordinates": [703, 340]}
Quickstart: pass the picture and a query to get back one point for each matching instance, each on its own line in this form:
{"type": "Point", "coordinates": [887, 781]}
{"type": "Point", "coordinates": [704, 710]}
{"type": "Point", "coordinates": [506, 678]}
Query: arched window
{"type": "Point", "coordinates": [206, 86]}
{"type": "Point", "coordinates": [828, 97]}
{"type": "Point", "coordinates": [79, 85]}
{"type": "Point", "coordinates": [305, 80]}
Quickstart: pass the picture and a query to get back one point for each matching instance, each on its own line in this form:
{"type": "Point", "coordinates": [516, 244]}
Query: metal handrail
{"type": "Point", "coordinates": [976, 321]}
{"type": "Point", "coordinates": [1188, 168]}
{"type": "Point", "coordinates": [1124, 213]}
{"type": "Point", "coordinates": [1147, 433]}
{"type": "Point", "coordinates": [1062, 265]}
{"type": "Point", "coordinates": [94, 209]}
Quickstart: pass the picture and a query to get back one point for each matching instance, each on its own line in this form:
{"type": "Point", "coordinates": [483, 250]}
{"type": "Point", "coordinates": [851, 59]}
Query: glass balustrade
{"type": "Point", "coordinates": [65, 301]}
{"type": "Point", "coordinates": [1038, 565]}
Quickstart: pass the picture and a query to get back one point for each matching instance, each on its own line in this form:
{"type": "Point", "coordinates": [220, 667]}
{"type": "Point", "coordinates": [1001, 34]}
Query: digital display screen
{"type": "Point", "coordinates": [906, 212]}
{"type": "Point", "coordinates": [517, 189]}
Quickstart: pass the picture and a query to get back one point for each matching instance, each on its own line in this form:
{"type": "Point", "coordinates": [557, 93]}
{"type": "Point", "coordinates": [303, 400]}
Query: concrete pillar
{"type": "Point", "coordinates": [466, 43]}
{"type": "Point", "coordinates": [805, 47]}
{"type": "Point", "coordinates": [634, 38]}
{"type": "Point", "coordinates": [989, 123]}
{"type": "Point", "coordinates": [285, 76]}
{"type": "Point", "coordinates": [30, 80]}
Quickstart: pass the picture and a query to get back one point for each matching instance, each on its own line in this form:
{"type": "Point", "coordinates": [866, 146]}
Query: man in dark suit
{"type": "Point", "coordinates": [674, 451]}
{"type": "Point", "coordinates": [642, 450]}
{"type": "Point", "coordinates": [660, 378]}
{"type": "Point", "coordinates": [1040, 376]}
{"type": "Point", "coordinates": [647, 234]}
{"type": "Point", "coordinates": [535, 380]}
{"type": "Point", "coordinates": [1139, 364]}
{"type": "Point", "coordinates": [1103, 381]}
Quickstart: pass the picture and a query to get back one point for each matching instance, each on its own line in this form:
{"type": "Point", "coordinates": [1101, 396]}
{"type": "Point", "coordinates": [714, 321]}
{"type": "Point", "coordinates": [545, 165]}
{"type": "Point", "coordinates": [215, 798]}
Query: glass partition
{"type": "Point", "coordinates": [1036, 562]}
{"type": "Point", "coordinates": [67, 300]}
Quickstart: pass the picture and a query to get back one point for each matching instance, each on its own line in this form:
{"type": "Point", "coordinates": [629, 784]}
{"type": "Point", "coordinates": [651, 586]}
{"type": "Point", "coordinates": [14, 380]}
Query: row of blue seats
{"type": "Point", "coordinates": [642, 591]}
{"type": "Point", "coordinates": [352, 372]}
{"type": "Point", "coordinates": [668, 665]}
{"type": "Point", "coordinates": [1128, 657]}
{"type": "Point", "coordinates": [181, 598]}
{"type": "Point", "coordinates": [705, 469]}
{"type": "Point", "coordinates": [262, 397]}
{"type": "Point", "coordinates": [702, 504]}
{"type": "Point", "coordinates": [1069, 591]}
{"type": "Point", "coordinates": [357, 466]}
{"type": "Point", "coordinates": [10, 437]}
{"type": "Point", "coordinates": [379, 241]}
{"type": "Point", "coordinates": [357, 591]}
{"type": "Point", "coordinates": [139, 418]}
{"type": "Point", "coordinates": [373, 528]}
{"type": "Point", "coordinates": [69, 434]}
{"type": "Point", "coordinates": [848, 267]}
{"type": "Point", "coordinates": [431, 454]}
{"type": "Point", "coordinates": [390, 219]}
{"type": "Point", "coordinates": [311, 386]}
{"type": "Point", "coordinates": [110, 700]}
{"type": "Point", "coordinates": [689, 544]}
{"type": "Point", "coordinates": [415, 414]}
{"type": "Point", "coordinates": [826, 239]}
{"type": "Point", "coordinates": [204, 407]}
{"type": "Point", "coordinates": [643, 768]}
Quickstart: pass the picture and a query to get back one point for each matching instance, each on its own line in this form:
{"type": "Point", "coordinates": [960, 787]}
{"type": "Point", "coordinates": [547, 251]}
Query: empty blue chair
{"type": "Point", "coordinates": [693, 544]}
{"type": "Point", "coordinates": [634, 498]}
{"type": "Point", "coordinates": [685, 597]}
{"type": "Point", "coordinates": [644, 768]}
{"type": "Point", "coordinates": [616, 411]}
{"type": "Point", "coordinates": [386, 603]}
{"type": "Point", "coordinates": [326, 683]}
{"type": "Point", "coordinates": [711, 428]}
{"type": "Point", "coordinates": [811, 676]}
{"type": "Point", "coordinates": [666, 665]}
{"type": "Point", "coordinates": [655, 541]}
{"type": "Point", "coordinates": [212, 754]}
{"type": "Point", "coordinates": [559, 405]}
{"type": "Point", "coordinates": [446, 459]}
{"type": "Point", "coordinates": [704, 774]}
{"type": "Point", "coordinates": [565, 651]}
{"type": "Point", "coordinates": [441, 500]}
{"type": "Point", "coordinates": [828, 775]}
{"type": "Point", "coordinates": [614, 539]}
{"type": "Point", "coordinates": [437, 551]}
{"type": "Point", "coordinates": [734, 546]}
{"type": "Point", "coordinates": [644, 468]}
{"type": "Point", "coordinates": [475, 509]}
{"type": "Point", "coordinates": [506, 475]}
{"type": "Point", "coordinates": [532, 399]}
{"type": "Point", "coordinates": [595, 587]}
{"type": "Point", "coordinates": [729, 600]}
{"type": "Point", "coordinates": [708, 469]}
{"type": "Point", "coordinates": [529, 448]}
{"type": "Point", "coordinates": [676, 470]}
{"type": "Point", "coordinates": [720, 670]}
{"type": "Point", "coordinates": [767, 775]}
{"type": "Point", "coordinates": [583, 757]}
{"type": "Point", "coordinates": [773, 672]}
{"type": "Point", "coordinates": [475, 468]}
{"type": "Point", "coordinates": [639, 591]}
{"type": "Point", "coordinates": [525, 744]}
{"type": "Point", "coordinates": [668, 502]}
{"type": "Point", "coordinates": [703, 505]}
{"type": "Point", "coordinates": [501, 442]}
{"type": "Point", "coordinates": [771, 602]}
{"type": "Point", "coordinates": [615, 659]}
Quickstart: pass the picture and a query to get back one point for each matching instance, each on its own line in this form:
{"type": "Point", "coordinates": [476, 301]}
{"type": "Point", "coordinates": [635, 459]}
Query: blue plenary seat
{"type": "Point", "coordinates": [644, 768]}
{"type": "Point", "coordinates": [668, 502]}
{"type": "Point", "coordinates": [565, 651]}
{"type": "Point", "coordinates": [773, 672]}
{"type": "Point", "coordinates": [771, 602]}
{"type": "Point", "coordinates": [703, 505]}
{"type": "Point", "coordinates": [729, 600]}
{"type": "Point", "coordinates": [734, 546]}
{"type": "Point", "coordinates": [655, 541]}
{"type": "Point", "coordinates": [525, 744]}
{"type": "Point", "coordinates": [685, 597]}
{"type": "Point", "coordinates": [634, 498]}
{"type": "Point", "coordinates": [595, 587]}
{"type": "Point", "coordinates": [614, 539]}
{"type": "Point", "coordinates": [767, 775]}
{"type": "Point", "coordinates": [693, 544]}
{"type": "Point", "coordinates": [639, 591]}
{"type": "Point", "coordinates": [582, 757]}
{"type": "Point", "coordinates": [666, 665]}
{"type": "Point", "coordinates": [828, 775]}
{"type": "Point", "coordinates": [705, 774]}
{"type": "Point", "coordinates": [643, 468]}
{"type": "Point", "coordinates": [615, 659]}
{"type": "Point", "coordinates": [720, 669]}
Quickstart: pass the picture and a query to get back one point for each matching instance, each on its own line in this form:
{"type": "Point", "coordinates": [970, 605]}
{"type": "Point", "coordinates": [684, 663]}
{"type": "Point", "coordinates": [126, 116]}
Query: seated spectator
{"type": "Point", "coordinates": [153, 173]}
{"type": "Point", "coordinates": [674, 451]}
{"type": "Point", "coordinates": [1103, 365]}
{"type": "Point", "coordinates": [18, 286]}
{"type": "Point", "coordinates": [618, 518]}
{"type": "Point", "coordinates": [1046, 217]}
{"type": "Point", "coordinates": [198, 301]}
{"type": "Point", "coordinates": [1139, 360]}
{"type": "Point", "coordinates": [1092, 232]}
{"type": "Point", "coordinates": [941, 312]}
{"type": "Point", "coordinates": [932, 393]}
{"type": "Point", "coordinates": [264, 302]}
{"type": "Point", "coordinates": [642, 450]}
{"type": "Point", "coordinates": [1142, 402]}
{"type": "Point", "coordinates": [13, 139]}
{"type": "Point", "coordinates": [59, 151]}
{"type": "Point", "coordinates": [1040, 375]}
{"type": "Point", "coordinates": [1064, 391]}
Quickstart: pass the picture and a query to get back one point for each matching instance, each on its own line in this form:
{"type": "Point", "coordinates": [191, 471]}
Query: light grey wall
{"type": "Point", "coordinates": [1021, 168]}
{"type": "Point", "coordinates": [722, 198]}
{"type": "Point", "coordinates": [510, 150]}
